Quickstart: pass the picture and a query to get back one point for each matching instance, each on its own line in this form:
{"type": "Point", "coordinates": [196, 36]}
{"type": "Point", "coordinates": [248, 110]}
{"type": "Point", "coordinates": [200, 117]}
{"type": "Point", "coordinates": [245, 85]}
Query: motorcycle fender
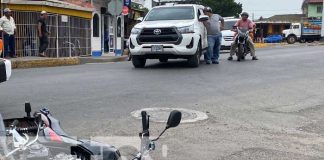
{"type": "Point", "coordinates": [99, 150]}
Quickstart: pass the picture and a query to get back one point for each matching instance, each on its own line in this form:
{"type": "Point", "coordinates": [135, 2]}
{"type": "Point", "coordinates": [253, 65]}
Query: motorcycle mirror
{"type": "Point", "coordinates": [174, 119]}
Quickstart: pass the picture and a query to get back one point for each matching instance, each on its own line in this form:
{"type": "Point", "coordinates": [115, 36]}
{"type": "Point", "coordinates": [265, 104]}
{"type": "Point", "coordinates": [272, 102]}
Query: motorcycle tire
{"type": "Point", "coordinates": [240, 52]}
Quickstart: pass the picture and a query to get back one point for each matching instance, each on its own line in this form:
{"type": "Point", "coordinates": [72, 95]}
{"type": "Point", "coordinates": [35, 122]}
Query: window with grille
{"type": "Point", "coordinates": [319, 9]}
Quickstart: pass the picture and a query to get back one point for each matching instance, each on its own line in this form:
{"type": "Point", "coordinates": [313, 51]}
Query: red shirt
{"type": "Point", "coordinates": [248, 24]}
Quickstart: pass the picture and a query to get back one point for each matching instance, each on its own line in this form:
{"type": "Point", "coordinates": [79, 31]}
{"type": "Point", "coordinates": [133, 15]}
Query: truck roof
{"type": "Point", "coordinates": [179, 5]}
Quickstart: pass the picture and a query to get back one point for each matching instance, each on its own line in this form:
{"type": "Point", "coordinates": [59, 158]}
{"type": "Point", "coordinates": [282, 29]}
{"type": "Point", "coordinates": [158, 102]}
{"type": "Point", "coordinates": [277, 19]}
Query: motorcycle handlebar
{"type": "Point", "coordinates": [145, 122]}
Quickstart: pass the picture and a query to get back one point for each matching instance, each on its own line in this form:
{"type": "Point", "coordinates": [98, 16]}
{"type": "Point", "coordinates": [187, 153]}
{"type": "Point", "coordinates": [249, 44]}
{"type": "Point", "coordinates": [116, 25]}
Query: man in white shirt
{"type": "Point", "coordinates": [8, 29]}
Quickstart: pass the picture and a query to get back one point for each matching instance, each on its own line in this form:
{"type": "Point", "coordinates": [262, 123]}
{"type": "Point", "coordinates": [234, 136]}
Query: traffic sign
{"type": "Point", "coordinates": [125, 10]}
{"type": "Point", "coordinates": [115, 7]}
{"type": "Point", "coordinates": [127, 2]}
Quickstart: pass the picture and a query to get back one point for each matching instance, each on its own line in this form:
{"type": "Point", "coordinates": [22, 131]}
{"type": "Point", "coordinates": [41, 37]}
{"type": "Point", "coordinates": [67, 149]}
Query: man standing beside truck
{"type": "Point", "coordinates": [214, 35]}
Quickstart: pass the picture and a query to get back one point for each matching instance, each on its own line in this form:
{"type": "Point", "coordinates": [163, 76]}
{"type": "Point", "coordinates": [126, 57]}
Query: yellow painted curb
{"type": "Point", "coordinates": [260, 45]}
{"type": "Point", "coordinates": [49, 62]}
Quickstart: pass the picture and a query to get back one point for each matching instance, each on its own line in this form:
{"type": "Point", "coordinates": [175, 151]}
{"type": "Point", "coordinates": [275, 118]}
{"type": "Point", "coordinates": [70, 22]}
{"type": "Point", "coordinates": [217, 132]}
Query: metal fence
{"type": "Point", "coordinates": [69, 36]}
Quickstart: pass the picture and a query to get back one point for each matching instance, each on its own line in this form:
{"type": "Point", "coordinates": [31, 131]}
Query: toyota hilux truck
{"type": "Point", "coordinates": [170, 32]}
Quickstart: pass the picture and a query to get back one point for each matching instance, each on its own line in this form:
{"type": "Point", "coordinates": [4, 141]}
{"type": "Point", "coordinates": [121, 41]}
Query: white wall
{"type": "Point", "coordinates": [96, 41]}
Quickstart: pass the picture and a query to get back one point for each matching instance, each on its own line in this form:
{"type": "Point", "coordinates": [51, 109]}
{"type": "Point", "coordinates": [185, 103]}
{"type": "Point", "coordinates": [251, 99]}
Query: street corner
{"type": "Point", "coordinates": [22, 63]}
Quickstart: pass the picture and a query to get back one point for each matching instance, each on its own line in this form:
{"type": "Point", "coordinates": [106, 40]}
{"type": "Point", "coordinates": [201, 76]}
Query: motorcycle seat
{"type": "Point", "coordinates": [56, 127]}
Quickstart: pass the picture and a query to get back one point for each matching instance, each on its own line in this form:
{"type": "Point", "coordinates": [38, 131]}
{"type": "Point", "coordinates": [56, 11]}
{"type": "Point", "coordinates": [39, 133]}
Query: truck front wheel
{"type": "Point", "coordinates": [194, 60]}
{"type": "Point", "coordinates": [138, 62]}
{"type": "Point", "coordinates": [291, 39]}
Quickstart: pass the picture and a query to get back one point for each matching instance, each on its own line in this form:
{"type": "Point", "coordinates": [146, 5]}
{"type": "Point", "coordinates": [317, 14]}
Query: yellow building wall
{"type": "Point", "coordinates": [50, 9]}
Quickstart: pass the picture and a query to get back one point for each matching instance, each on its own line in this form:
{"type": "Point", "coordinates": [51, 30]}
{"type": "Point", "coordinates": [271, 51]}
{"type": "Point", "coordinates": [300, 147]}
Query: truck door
{"type": "Point", "coordinates": [296, 29]}
{"type": "Point", "coordinates": [202, 30]}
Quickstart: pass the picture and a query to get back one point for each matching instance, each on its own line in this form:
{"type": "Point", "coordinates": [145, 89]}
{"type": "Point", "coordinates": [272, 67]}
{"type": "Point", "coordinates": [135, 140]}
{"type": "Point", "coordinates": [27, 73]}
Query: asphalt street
{"type": "Point", "coordinates": [267, 109]}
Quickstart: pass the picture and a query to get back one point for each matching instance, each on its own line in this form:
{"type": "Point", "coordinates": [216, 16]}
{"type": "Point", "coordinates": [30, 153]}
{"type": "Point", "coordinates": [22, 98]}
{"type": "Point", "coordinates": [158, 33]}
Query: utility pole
{"type": "Point", "coordinates": [322, 32]}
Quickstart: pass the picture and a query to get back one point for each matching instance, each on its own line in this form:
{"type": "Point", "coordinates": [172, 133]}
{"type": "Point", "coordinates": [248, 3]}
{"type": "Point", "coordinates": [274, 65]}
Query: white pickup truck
{"type": "Point", "coordinates": [5, 70]}
{"type": "Point", "coordinates": [170, 32]}
{"type": "Point", "coordinates": [227, 33]}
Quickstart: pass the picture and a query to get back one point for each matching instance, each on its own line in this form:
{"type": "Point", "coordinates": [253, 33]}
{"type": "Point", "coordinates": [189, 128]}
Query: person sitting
{"type": "Point", "coordinates": [246, 24]}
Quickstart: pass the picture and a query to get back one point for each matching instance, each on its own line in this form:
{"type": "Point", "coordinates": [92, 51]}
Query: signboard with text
{"type": "Point", "coordinates": [127, 3]}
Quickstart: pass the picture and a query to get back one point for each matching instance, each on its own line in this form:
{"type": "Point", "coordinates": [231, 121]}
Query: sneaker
{"type": "Point", "coordinates": [208, 63]}
{"type": "Point", "coordinates": [215, 62]}
{"type": "Point", "coordinates": [42, 55]}
{"type": "Point", "coordinates": [255, 58]}
{"type": "Point", "coordinates": [230, 58]}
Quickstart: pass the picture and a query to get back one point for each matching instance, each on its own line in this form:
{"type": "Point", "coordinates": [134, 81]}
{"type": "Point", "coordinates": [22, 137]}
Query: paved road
{"type": "Point", "coordinates": [267, 109]}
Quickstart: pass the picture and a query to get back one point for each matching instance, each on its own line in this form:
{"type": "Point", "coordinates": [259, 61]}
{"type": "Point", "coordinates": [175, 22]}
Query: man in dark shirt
{"type": "Point", "coordinates": [43, 34]}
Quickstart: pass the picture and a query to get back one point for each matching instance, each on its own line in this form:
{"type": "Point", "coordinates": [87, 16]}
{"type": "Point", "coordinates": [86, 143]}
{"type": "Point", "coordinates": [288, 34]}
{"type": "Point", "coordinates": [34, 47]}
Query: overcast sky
{"type": "Point", "coordinates": [268, 8]}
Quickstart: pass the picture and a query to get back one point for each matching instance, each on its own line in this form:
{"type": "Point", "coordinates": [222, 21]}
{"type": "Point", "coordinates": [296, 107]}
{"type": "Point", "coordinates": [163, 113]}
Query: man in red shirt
{"type": "Point", "coordinates": [246, 24]}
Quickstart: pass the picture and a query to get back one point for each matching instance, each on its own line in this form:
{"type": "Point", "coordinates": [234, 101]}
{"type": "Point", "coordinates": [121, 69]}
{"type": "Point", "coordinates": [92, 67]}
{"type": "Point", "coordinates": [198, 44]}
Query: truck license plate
{"type": "Point", "coordinates": [157, 48]}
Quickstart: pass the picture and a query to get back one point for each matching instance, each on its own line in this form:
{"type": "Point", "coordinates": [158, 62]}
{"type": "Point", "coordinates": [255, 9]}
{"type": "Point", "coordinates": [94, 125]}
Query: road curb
{"type": "Point", "coordinates": [103, 59]}
{"type": "Point", "coordinates": [48, 62]}
{"type": "Point", "coordinates": [22, 63]}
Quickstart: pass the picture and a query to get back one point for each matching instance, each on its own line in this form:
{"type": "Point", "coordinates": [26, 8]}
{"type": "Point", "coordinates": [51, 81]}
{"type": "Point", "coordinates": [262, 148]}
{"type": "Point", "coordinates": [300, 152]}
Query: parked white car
{"type": "Point", "coordinates": [228, 34]}
{"type": "Point", "coordinates": [170, 32]}
{"type": "Point", "coordinates": [5, 70]}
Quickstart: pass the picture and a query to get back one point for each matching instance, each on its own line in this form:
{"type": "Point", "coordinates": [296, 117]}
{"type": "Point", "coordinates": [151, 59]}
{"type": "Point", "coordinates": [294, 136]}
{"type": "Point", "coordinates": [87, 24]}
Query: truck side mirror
{"type": "Point", "coordinates": [203, 18]}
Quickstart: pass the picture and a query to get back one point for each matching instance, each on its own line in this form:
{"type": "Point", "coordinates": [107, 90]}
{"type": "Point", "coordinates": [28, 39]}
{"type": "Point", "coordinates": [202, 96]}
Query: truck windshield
{"type": "Point", "coordinates": [171, 13]}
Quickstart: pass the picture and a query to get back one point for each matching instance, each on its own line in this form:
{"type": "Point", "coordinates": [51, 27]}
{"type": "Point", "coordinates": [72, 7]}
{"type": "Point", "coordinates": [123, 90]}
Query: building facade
{"type": "Point", "coordinates": [69, 26]}
{"type": "Point", "coordinates": [313, 8]}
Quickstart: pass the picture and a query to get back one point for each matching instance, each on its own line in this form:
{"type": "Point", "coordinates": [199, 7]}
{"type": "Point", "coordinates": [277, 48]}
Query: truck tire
{"type": "Point", "coordinates": [194, 60]}
{"type": "Point", "coordinates": [138, 62]}
{"type": "Point", "coordinates": [291, 39]}
{"type": "Point", "coordinates": [163, 60]}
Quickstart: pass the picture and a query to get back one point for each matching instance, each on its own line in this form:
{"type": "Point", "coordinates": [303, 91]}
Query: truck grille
{"type": "Point", "coordinates": [228, 38]}
{"type": "Point", "coordinates": [166, 35]}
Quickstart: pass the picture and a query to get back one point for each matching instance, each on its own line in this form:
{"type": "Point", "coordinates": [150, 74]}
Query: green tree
{"type": "Point", "coordinates": [225, 8]}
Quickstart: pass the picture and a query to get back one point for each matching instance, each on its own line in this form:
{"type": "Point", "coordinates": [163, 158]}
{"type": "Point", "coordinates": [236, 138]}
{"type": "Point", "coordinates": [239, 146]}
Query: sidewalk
{"type": "Point", "coordinates": [38, 62]}
{"type": "Point", "coordinates": [274, 45]}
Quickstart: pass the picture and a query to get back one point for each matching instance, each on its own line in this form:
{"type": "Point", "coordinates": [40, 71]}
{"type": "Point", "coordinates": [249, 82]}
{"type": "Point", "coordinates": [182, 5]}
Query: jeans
{"type": "Point", "coordinates": [9, 45]}
{"type": "Point", "coordinates": [43, 44]}
{"type": "Point", "coordinates": [214, 44]}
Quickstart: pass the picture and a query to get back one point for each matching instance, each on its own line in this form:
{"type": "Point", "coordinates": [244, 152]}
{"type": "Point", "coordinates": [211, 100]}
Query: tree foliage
{"type": "Point", "coordinates": [225, 8]}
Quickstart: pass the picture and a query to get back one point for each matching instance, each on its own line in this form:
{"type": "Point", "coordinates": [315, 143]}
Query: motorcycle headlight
{"type": "Point", "coordinates": [186, 29]}
{"type": "Point", "coordinates": [136, 31]}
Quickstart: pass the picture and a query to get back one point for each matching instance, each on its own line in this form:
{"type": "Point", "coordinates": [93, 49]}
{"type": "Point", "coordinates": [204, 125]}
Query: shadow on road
{"type": "Point", "coordinates": [174, 64]}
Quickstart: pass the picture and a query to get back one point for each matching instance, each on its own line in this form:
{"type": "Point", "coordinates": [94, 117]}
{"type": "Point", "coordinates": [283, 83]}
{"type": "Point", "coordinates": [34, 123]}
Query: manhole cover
{"type": "Point", "coordinates": [162, 114]}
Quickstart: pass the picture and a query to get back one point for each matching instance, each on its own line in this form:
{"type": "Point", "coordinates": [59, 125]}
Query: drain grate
{"type": "Point", "coordinates": [162, 114]}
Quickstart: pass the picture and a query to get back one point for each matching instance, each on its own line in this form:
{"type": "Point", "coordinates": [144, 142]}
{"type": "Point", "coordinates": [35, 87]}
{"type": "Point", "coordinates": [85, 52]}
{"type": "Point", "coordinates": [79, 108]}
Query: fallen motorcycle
{"type": "Point", "coordinates": [40, 137]}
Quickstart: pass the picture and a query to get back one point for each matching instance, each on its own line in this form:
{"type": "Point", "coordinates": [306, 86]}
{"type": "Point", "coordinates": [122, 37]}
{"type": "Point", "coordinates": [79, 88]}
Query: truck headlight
{"type": "Point", "coordinates": [136, 31]}
{"type": "Point", "coordinates": [186, 29]}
